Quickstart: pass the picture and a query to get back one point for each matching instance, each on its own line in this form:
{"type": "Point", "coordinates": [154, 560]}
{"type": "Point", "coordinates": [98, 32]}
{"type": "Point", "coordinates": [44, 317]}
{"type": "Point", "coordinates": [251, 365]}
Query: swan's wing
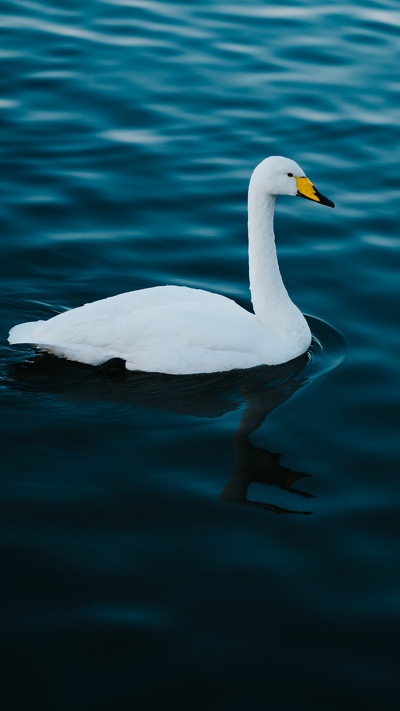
{"type": "Point", "coordinates": [165, 329]}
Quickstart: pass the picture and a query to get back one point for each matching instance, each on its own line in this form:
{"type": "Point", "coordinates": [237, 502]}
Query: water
{"type": "Point", "coordinates": [156, 552]}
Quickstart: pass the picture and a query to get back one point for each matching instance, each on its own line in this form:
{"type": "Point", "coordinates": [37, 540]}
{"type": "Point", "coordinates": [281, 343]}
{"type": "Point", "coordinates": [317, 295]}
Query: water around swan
{"type": "Point", "coordinates": [230, 541]}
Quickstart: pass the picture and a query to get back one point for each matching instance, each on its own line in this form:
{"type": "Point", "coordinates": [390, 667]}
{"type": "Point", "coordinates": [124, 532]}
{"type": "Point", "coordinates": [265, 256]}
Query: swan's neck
{"type": "Point", "coordinates": [270, 299]}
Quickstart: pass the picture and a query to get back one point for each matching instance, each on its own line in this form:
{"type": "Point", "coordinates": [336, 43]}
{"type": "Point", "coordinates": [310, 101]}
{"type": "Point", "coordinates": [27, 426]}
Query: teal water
{"type": "Point", "coordinates": [156, 551]}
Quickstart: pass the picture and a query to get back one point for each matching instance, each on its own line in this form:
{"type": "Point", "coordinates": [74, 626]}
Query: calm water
{"type": "Point", "coordinates": [156, 552]}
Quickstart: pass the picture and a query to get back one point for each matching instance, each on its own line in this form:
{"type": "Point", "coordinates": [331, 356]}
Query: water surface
{"type": "Point", "coordinates": [157, 552]}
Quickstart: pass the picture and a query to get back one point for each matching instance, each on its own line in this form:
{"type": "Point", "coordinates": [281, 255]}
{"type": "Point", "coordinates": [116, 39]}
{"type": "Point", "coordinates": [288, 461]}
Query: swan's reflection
{"type": "Point", "coordinates": [256, 465]}
{"type": "Point", "coordinates": [261, 389]}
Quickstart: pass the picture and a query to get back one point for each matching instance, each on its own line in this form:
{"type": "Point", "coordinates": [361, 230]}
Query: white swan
{"type": "Point", "coordinates": [179, 330]}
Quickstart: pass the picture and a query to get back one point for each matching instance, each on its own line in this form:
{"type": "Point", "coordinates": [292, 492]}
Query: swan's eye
{"type": "Point", "coordinates": [290, 175]}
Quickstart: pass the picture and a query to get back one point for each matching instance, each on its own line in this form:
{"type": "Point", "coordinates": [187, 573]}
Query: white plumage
{"type": "Point", "coordinates": [171, 329]}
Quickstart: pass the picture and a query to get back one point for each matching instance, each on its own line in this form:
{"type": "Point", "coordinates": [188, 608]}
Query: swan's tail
{"type": "Point", "coordinates": [31, 334]}
{"type": "Point", "coordinates": [24, 333]}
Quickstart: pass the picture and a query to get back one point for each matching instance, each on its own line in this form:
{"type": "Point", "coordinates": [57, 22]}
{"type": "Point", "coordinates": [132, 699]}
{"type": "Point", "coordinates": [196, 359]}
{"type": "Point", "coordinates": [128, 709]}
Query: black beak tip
{"type": "Point", "coordinates": [320, 198]}
{"type": "Point", "coordinates": [324, 200]}
{"type": "Point", "coordinates": [329, 203]}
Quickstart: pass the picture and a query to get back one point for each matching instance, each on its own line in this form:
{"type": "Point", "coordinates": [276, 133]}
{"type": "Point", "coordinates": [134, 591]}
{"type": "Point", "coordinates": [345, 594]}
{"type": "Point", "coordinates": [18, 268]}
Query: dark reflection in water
{"type": "Point", "coordinates": [256, 465]}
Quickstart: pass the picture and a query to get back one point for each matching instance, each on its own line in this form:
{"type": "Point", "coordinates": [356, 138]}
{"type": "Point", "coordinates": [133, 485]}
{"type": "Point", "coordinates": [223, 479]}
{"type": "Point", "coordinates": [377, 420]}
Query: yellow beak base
{"type": "Point", "coordinates": [306, 189]}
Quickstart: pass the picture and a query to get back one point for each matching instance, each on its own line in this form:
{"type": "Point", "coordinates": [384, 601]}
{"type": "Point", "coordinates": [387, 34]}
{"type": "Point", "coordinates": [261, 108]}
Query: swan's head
{"type": "Point", "coordinates": [282, 176]}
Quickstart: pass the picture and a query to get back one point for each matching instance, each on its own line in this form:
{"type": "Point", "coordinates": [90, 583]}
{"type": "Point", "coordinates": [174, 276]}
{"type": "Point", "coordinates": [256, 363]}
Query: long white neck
{"type": "Point", "coordinates": [270, 299]}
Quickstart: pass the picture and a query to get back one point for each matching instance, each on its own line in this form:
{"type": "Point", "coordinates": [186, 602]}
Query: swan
{"type": "Point", "coordinates": [181, 330]}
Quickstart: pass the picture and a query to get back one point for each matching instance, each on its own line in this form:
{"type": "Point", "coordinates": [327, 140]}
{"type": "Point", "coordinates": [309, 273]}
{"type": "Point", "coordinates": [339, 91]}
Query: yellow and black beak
{"type": "Point", "coordinates": [306, 189]}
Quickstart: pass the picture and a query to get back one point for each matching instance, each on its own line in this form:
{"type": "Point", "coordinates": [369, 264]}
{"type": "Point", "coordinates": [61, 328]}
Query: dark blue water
{"type": "Point", "coordinates": [222, 543]}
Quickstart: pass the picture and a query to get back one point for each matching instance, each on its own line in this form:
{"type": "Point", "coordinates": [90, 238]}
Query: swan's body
{"type": "Point", "coordinates": [171, 329]}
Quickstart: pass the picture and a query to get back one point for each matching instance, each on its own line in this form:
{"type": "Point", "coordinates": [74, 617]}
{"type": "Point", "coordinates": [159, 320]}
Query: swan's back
{"type": "Point", "coordinates": [166, 329]}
